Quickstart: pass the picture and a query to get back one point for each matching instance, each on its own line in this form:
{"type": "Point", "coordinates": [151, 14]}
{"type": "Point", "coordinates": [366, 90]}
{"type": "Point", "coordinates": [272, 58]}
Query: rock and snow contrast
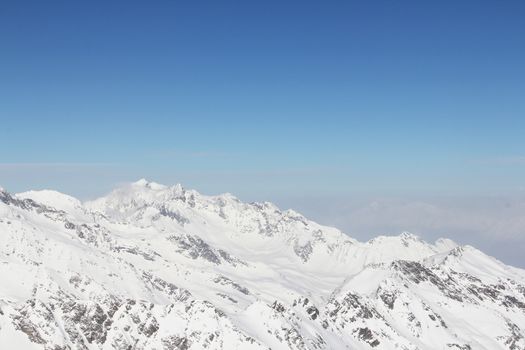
{"type": "Point", "coordinates": [157, 267]}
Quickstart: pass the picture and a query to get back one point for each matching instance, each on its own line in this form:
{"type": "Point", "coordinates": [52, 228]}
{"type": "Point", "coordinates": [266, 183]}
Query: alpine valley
{"type": "Point", "coordinates": [157, 267]}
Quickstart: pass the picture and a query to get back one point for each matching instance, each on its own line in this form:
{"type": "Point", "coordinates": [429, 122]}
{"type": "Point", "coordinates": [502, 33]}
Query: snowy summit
{"type": "Point", "coordinates": [158, 267]}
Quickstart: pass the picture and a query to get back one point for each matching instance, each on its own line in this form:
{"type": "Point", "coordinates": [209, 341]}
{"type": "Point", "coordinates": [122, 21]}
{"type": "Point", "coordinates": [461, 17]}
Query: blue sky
{"type": "Point", "coordinates": [268, 100]}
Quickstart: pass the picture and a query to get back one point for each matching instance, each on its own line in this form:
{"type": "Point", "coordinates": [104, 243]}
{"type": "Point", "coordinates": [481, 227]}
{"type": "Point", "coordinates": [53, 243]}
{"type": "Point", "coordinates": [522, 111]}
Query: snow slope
{"type": "Point", "coordinates": [157, 267]}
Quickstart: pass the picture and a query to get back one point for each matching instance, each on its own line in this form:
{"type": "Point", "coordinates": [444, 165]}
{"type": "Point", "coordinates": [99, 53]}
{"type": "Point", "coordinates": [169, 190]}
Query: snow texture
{"type": "Point", "coordinates": [157, 267]}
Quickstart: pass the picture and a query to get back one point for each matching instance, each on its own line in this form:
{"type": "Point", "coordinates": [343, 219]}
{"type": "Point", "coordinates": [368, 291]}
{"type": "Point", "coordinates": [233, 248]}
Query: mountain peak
{"type": "Point", "coordinates": [409, 236]}
{"type": "Point", "coordinates": [178, 188]}
{"type": "Point", "coordinates": [150, 267]}
{"type": "Point", "coordinates": [51, 198]}
{"type": "Point", "coordinates": [445, 244]}
{"type": "Point", "coordinates": [143, 183]}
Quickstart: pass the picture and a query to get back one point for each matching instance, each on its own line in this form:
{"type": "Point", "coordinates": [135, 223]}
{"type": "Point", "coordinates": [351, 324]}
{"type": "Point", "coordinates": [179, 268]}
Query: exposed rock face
{"type": "Point", "coordinates": [157, 267]}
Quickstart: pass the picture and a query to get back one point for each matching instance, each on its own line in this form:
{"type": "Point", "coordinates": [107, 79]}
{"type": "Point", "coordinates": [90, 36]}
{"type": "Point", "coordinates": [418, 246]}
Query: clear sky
{"type": "Point", "coordinates": [269, 100]}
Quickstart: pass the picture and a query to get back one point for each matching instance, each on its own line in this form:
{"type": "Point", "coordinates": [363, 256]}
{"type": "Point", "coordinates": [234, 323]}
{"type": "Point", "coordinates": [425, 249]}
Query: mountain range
{"type": "Point", "coordinates": [151, 266]}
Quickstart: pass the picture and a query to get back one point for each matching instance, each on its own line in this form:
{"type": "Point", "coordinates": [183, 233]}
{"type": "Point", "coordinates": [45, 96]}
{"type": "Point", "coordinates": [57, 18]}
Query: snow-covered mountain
{"type": "Point", "coordinates": [157, 267]}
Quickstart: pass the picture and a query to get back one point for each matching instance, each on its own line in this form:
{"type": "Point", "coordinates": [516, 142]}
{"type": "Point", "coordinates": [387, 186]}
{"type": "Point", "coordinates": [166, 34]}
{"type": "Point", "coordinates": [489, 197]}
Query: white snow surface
{"type": "Point", "coordinates": [158, 267]}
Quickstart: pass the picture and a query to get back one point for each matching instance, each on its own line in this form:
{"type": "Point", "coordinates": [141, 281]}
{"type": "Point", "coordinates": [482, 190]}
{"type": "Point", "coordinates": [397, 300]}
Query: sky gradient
{"type": "Point", "coordinates": [293, 102]}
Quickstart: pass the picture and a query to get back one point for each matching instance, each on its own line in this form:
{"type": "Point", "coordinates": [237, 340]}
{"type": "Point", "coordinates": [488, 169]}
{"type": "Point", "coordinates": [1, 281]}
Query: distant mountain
{"type": "Point", "coordinates": [157, 267]}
